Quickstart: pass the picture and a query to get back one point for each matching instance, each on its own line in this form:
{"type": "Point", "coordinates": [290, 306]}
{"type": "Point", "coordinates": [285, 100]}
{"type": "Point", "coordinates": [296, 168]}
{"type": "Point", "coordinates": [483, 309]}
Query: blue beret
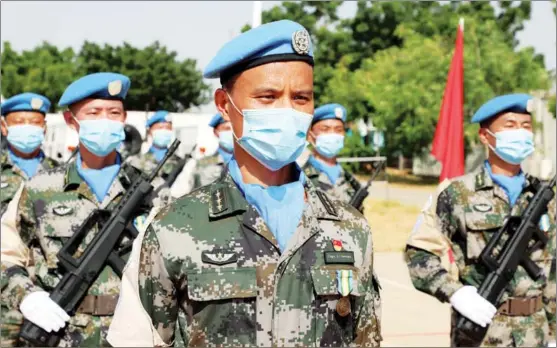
{"type": "Point", "coordinates": [26, 102]}
{"type": "Point", "coordinates": [159, 116]}
{"type": "Point", "coordinates": [216, 120]}
{"type": "Point", "coordinates": [329, 111]}
{"type": "Point", "coordinates": [103, 85]}
{"type": "Point", "coordinates": [272, 42]}
{"type": "Point", "coordinates": [521, 103]}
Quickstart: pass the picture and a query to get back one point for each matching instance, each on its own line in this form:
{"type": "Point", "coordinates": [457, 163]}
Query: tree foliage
{"type": "Point", "coordinates": [159, 79]}
{"type": "Point", "coordinates": [390, 60]}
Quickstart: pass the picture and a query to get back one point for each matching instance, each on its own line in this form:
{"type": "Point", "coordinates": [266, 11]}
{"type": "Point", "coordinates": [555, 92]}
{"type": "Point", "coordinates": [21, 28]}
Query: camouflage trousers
{"type": "Point", "coordinates": [10, 325]}
{"type": "Point", "coordinates": [512, 331]}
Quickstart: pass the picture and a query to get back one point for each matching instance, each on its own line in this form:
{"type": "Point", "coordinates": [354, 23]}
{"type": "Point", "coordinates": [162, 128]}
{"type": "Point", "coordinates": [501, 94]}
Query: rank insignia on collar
{"type": "Point", "coordinates": [4, 185]}
{"type": "Point", "coordinates": [219, 257]}
{"type": "Point", "coordinates": [218, 201]}
{"type": "Point", "coordinates": [62, 210]}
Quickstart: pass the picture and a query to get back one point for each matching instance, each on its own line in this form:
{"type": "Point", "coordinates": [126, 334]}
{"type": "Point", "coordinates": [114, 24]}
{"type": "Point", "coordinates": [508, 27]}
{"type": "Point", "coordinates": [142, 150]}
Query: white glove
{"type": "Point", "coordinates": [471, 305]}
{"type": "Point", "coordinates": [38, 308]}
{"type": "Point", "coordinates": [551, 344]}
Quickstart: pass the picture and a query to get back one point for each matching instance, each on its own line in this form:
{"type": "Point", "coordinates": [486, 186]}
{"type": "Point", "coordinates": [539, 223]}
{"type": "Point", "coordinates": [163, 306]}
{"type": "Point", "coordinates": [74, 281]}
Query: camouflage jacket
{"type": "Point", "coordinates": [468, 212]}
{"type": "Point", "coordinates": [210, 257]}
{"type": "Point", "coordinates": [12, 177]}
{"type": "Point", "coordinates": [53, 205]}
{"type": "Point", "coordinates": [208, 170]}
{"type": "Point", "coordinates": [343, 189]}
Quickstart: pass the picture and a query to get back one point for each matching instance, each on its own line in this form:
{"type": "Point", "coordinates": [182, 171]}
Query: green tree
{"type": "Point", "coordinates": [44, 70]}
{"type": "Point", "coordinates": [552, 106]}
{"type": "Point", "coordinates": [159, 79]}
{"type": "Point", "coordinates": [404, 85]}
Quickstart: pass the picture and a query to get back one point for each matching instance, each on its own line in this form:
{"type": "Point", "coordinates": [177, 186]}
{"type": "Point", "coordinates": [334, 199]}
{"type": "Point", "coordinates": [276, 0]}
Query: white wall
{"type": "Point", "coordinates": [190, 128]}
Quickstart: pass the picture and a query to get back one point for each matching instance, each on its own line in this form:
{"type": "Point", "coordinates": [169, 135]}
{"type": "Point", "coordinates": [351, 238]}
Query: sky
{"type": "Point", "coordinates": [194, 29]}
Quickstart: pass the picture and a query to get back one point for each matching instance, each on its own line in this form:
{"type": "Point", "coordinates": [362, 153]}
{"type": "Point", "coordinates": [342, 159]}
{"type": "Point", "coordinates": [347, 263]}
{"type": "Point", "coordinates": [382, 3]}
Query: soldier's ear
{"type": "Point", "coordinates": [4, 127]}
{"type": "Point", "coordinates": [484, 136]}
{"type": "Point", "coordinates": [222, 103]}
{"type": "Point", "coordinates": [70, 120]}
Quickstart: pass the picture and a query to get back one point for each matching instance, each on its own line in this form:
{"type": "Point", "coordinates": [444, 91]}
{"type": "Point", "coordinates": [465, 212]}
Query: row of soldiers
{"type": "Point", "coordinates": [262, 252]}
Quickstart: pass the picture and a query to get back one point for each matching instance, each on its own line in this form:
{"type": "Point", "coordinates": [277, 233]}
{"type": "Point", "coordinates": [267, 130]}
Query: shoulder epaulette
{"type": "Point", "coordinates": [327, 203]}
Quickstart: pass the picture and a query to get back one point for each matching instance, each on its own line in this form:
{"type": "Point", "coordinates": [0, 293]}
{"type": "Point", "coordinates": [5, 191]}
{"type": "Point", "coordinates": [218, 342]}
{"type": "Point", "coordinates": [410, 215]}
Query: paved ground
{"type": "Point", "coordinates": [409, 318]}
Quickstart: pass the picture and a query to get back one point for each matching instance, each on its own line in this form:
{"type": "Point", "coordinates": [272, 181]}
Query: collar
{"type": "Point", "coordinates": [483, 179]}
{"type": "Point", "coordinates": [72, 179]}
{"type": "Point", "coordinates": [227, 199]}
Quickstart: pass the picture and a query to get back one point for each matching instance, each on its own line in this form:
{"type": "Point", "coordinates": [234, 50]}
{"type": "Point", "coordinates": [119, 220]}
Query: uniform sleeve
{"type": "Point", "coordinates": [425, 266]}
{"type": "Point", "coordinates": [368, 313]}
{"type": "Point", "coordinates": [16, 250]}
{"type": "Point", "coordinates": [550, 289]}
{"type": "Point", "coordinates": [156, 289]}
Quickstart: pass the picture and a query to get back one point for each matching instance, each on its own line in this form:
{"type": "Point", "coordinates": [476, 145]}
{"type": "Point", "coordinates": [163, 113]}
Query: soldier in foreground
{"type": "Point", "coordinates": [23, 123]}
{"type": "Point", "coordinates": [327, 138]}
{"type": "Point", "coordinates": [160, 130]}
{"type": "Point", "coordinates": [210, 168]}
{"type": "Point", "coordinates": [54, 204]}
{"type": "Point", "coordinates": [226, 257]}
{"type": "Point", "coordinates": [454, 228]}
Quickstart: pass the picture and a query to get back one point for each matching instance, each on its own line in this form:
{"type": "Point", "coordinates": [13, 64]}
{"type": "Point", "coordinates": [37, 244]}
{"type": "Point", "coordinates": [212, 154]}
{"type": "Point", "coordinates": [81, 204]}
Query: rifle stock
{"type": "Point", "coordinates": [503, 265]}
{"type": "Point", "coordinates": [82, 271]}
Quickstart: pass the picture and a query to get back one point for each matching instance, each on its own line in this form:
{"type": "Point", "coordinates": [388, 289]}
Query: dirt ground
{"type": "Point", "coordinates": [409, 318]}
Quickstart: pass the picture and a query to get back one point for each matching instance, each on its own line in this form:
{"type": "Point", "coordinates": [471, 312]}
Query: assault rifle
{"type": "Point", "coordinates": [521, 231]}
{"type": "Point", "coordinates": [173, 175]}
{"type": "Point", "coordinates": [358, 198]}
{"type": "Point", "coordinates": [82, 271]}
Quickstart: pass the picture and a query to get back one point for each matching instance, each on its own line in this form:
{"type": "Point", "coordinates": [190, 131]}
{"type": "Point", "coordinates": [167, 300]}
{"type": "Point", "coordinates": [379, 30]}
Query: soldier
{"type": "Point", "coordinates": [443, 250]}
{"type": "Point", "coordinates": [55, 203]}
{"type": "Point", "coordinates": [23, 124]}
{"type": "Point", "coordinates": [160, 131]}
{"type": "Point", "coordinates": [327, 138]}
{"type": "Point", "coordinates": [210, 168]}
{"type": "Point", "coordinates": [261, 257]}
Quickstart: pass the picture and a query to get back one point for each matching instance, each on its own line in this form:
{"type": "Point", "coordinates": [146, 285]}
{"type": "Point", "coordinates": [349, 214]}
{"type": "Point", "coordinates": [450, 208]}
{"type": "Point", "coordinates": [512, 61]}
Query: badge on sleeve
{"type": "Point", "coordinates": [544, 223]}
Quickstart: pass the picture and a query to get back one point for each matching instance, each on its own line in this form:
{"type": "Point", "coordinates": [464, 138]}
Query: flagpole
{"type": "Point", "coordinates": [256, 19]}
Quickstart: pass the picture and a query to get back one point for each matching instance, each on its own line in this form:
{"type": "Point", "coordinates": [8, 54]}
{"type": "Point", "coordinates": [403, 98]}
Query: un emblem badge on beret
{"type": "Point", "coordinates": [36, 103]}
{"type": "Point", "coordinates": [115, 87]}
{"type": "Point", "coordinates": [338, 113]}
{"type": "Point", "coordinates": [530, 105]}
{"type": "Point", "coordinates": [301, 41]}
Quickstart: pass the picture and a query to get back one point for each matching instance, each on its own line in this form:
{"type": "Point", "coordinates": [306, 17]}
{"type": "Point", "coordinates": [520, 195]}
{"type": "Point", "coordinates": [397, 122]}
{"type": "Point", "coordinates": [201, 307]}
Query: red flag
{"type": "Point", "coordinates": [448, 142]}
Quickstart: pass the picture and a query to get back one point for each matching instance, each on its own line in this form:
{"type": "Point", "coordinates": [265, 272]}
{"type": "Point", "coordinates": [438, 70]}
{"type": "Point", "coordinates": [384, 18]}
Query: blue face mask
{"type": "Point", "coordinates": [329, 145]}
{"type": "Point", "coordinates": [226, 140]}
{"type": "Point", "coordinates": [101, 136]}
{"type": "Point", "coordinates": [274, 137]}
{"type": "Point", "coordinates": [513, 146]}
{"type": "Point", "coordinates": [162, 137]}
{"type": "Point", "coordinates": [25, 138]}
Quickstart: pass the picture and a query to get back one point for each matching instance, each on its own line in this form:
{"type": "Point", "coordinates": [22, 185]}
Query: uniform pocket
{"type": "Point", "coordinates": [480, 228]}
{"type": "Point", "coordinates": [333, 314]}
{"type": "Point", "coordinates": [222, 284]}
{"type": "Point", "coordinates": [222, 306]}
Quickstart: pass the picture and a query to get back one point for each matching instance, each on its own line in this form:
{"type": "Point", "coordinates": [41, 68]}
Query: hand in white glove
{"type": "Point", "coordinates": [551, 344]}
{"type": "Point", "coordinates": [471, 305]}
{"type": "Point", "coordinates": [38, 308]}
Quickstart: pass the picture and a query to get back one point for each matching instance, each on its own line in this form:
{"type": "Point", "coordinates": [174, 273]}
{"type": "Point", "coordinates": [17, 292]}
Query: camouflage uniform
{"type": "Point", "coordinates": [208, 170]}
{"type": "Point", "coordinates": [12, 177]}
{"type": "Point", "coordinates": [345, 187]}
{"type": "Point", "coordinates": [211, 257]}
{"type": "Point", "coordinates": [53, 205]}
{"type": "Point", "coordinates": [467, 213]}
